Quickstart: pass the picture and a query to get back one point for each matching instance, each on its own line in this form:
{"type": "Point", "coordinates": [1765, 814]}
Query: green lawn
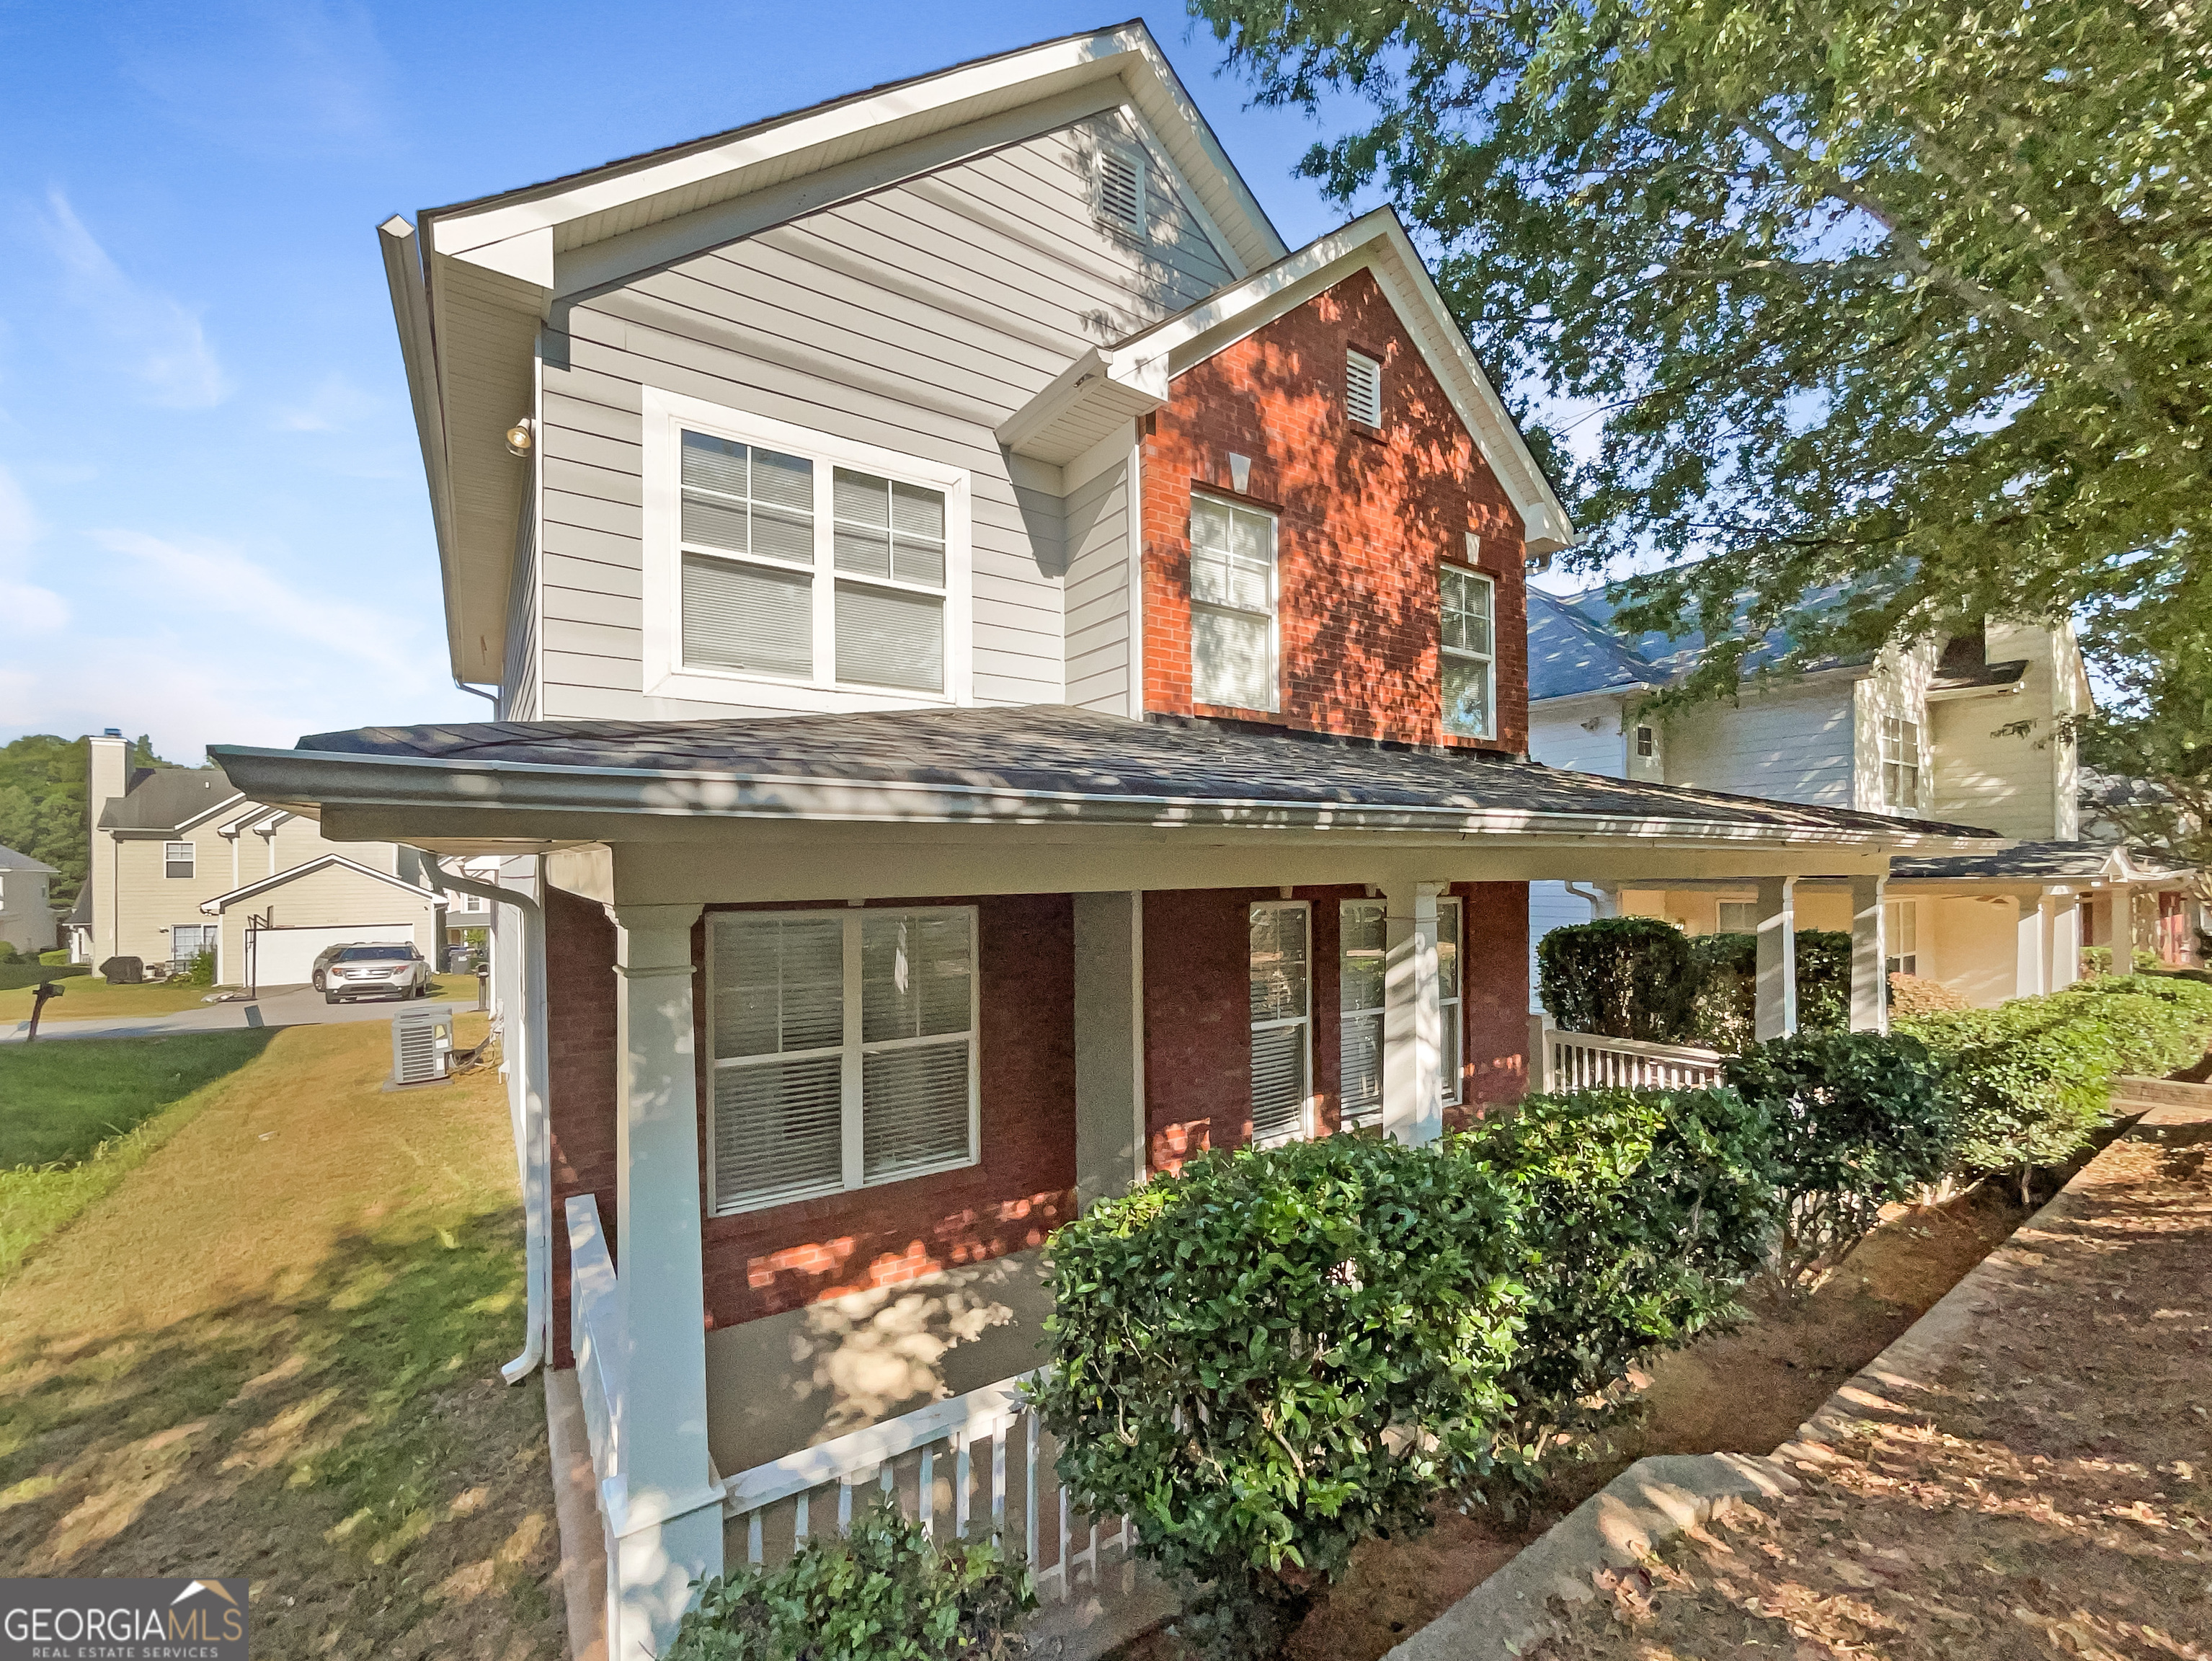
{"type": "Point", "coordinates": [76, 1117]}
{"type": "Point", "coordinates": [87, 997]}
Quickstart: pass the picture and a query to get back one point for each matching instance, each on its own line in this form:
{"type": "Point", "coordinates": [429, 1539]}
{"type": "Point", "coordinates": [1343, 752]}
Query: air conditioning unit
{"type": "Point", "coordinates": [421, 1041]}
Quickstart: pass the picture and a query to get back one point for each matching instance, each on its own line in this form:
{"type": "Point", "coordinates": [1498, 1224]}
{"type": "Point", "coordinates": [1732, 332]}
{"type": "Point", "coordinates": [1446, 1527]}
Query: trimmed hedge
{"type": "Point", "coordinates": [1643, 1211]}
{"type": "Point", "coordinates": [1620, 977]}
{"type": "Point", "coordinates": [14, 976]}
{"type": "Point", "coordinates": [1726, 976]}
{"type": "Point", "coordinates": [881, 1592]}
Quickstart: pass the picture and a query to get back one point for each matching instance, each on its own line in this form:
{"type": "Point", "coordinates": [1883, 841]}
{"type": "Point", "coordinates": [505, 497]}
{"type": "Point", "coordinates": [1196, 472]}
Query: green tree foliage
{"type": "Point", "coordinates": [1725, 969]}
{"type": "Point", "coordinates": [1858, 1119]}
{"type": "Point", "coordinates": [1905, 302]}
{"type": "Point", "coordinates": [1276, 1354]}
{"type": "Point", "coordinates": [1620, 977]}
{"type": "Point", "coordinates": [2152, 743]}
{"type": "Point", "coordinates": [1644, 1213]}
{"type": "Point", "coordinates": [42, 803]}
{"type": "Point", "coordinates": [882, 1591]}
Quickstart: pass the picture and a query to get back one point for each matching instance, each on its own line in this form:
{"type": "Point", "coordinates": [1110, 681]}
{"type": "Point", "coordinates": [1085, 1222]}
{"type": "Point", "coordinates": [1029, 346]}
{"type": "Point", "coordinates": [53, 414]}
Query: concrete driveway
{"type": "Point", "coordinates": [298, 1007]}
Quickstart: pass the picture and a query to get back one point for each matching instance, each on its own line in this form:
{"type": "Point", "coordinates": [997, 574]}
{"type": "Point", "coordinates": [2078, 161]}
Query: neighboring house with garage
{"type": "Point", "coordinates": [27, 915]}
{"type": "Point", "coordinates": [1970, 730]}
{"type": "Point", "coordinates": [182, 862]}
{"type": "Point", "coordinates": [1008, 675]}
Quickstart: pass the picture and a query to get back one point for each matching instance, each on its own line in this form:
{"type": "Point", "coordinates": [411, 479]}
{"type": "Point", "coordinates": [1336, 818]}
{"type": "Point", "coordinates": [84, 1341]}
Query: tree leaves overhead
{"type": "Point", "coordinates": [1904, 300]}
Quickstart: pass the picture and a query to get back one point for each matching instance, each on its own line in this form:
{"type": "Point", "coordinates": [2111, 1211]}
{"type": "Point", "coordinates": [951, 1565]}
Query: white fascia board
{"type": "Point", "coordinates": [1376, 242]}
{"type": "Point", "coordinates": [1127, 52]}
{"type": "Point", "coordinates": [208, 813]}
{"type": "Point", "coordinates": [222, 902]}
{"type": "Point", "coordinates": [527, 257]}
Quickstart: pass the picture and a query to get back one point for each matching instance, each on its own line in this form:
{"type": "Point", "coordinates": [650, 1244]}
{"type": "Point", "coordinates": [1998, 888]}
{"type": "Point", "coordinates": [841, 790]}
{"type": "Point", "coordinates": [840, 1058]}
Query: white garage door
{"type": "Point", "coordinates": [286, 957]}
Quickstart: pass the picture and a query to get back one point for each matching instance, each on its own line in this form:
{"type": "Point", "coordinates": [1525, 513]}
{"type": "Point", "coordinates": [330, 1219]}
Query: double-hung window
{"type": "Point", "coordinates": [844, 1051]}
{"type": "Point", "coordinates": [1736, 917]}
{"type": "Point", "coordinates": [1469, 638]}
{"type": "Point", "coordinates": [1282, 1023]}
{"type": "Point", "coordinates": [176, 859]}
{"type": "Point", "coordinates": [1900, 764]}
{"type": "Point", "coordinates": [1233, 610]}
{"type": "Point", "coordinates": [1362, 965]}
{"type": "Point", "coordinates": [815, 573]}
{"type": "Point", "coordinates": [1902, 928]}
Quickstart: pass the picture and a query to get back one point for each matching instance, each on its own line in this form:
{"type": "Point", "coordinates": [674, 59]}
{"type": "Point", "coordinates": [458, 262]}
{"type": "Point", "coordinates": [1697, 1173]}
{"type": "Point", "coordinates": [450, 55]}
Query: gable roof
{"type": "Point", "coordinates": [472, 282]}
{"type": "Point", "coordinates": [12, 861]}
{"type": "Point", "coordinates": [1568, 655]}
{"type": "Point", "coordinates": [1101, 390]}
{"type": "Point", "coordinates": [295, 872]}
{"type": "Point", "coordinates": [169, 798]}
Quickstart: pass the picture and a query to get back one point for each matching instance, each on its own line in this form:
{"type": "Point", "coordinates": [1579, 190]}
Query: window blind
{"type": "Point", "coordinates": [1363, 389]}
{"type": "Point", "coordinates": [844, 1051]}
{"type": "Point", "coordinates": [1232, 590]}
{"type": "Point", "coordinates": [1359, 982]}
{"type": "Point", "coordinates": [746, 617]}
{"type": "Point", "coordinates": [1448, 996]}
{"type": "Point", "coordinates": [1281, 1041]}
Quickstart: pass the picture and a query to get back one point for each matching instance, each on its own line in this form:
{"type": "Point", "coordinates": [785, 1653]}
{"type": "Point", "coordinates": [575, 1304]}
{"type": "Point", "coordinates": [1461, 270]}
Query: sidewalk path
{"type": "Point", "coordinates": [302, 1007]}
{"type": "Point", "coordinates": [2042, 1486]}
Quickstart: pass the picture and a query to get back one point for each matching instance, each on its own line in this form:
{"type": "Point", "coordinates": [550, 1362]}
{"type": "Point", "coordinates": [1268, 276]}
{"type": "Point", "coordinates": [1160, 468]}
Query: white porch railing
{"type": "Point", "coordinates": [1583, 1061]}
{"type": "Point", "coordinates": [595, 1326]}
{"type": "Point", "coordinates": [949, 1463]}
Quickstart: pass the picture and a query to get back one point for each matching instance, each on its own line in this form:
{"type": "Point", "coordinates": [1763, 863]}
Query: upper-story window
{"type": "Point", "coordinates": [1121, 187]}
{"type": "Point", "coordinates": [1363, 389]}
{"type": "Point", "coordinates": [1233, 594]}
{"type": "Point", "coordinates": [176, 859]}
{"type": "Point", "coordinates": [1469, 669]}
{"type": "Point", "coordinates": [1647, 743]}
{"type": "Point", "coordinates": [795, 569]}
{"type": "Point", "coordinates": [1901, 782]}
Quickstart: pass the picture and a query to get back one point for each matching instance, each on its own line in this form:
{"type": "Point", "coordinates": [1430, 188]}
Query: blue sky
{"type": "Point", "coordinates": [212, 519]}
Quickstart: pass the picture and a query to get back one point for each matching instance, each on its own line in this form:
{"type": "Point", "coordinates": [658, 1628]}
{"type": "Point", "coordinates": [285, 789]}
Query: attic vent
{"type": "Point", "coordinates": [1121, 188]}
{"type": "Point", "coordinates": [1363, 389]}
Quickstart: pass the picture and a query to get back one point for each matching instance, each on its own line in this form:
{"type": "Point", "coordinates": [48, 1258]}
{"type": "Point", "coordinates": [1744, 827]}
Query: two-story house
{"type": "Point", "coordinates": [26, 920]}
{"type": "Point", "coordinates": [1972, 730]}
{"type": "Point", "coordinates": [182, 862]}
{"type": "Point", "coordinates": [1008, 676]}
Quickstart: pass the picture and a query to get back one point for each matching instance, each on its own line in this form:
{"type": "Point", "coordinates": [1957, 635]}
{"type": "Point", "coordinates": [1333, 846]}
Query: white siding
{"type": "Point", "coordinates": [2001, 764]}
{"type": "Point", "coordinates": [517, 680]}
{"type": "Point", "coordinates": [1790, 744]}
{"type": "Point", "coordinates": [1096, 526]}
{"type": "Point", "coordinates": [917, 320]}
{"type": "Point", "coordinates": [1897, 685]}
{"type": "Point", "coordinates": [1560, 739]}
{"type": "Point", "coordinates": [1550, 906]}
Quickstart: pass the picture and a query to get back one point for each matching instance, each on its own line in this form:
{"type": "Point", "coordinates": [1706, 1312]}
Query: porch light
{"type": "Point", "coordinates": [517, 437]}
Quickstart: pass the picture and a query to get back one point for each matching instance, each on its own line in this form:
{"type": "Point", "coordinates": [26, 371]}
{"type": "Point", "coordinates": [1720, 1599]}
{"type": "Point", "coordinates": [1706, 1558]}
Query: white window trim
{"type": "Point", "coordinates": [1488, 661]}
{"type": "Point", "coordinates": [666, 675]}
{"type": "Point", "coordinates": [854, 1049]}
{"type": "Point", "coordinates": [1904, 918]}
{"type": "Point", "coordinates": [191, 857]}
{"type": "Point", "coordinates": [1891, 755]}
{"type": "Point", "coordinates": [1304, 1022]}
{"type": "Point", "coordinates": [1451, 1020]}
{"type": "Point", "coordinates": [1275, 703]}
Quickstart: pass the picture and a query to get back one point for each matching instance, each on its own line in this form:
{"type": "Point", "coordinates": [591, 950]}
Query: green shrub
{"type": "Point", "coordinates": [1645, 1212]}
{"type": "Point", "coordinates": [200, 971]}
{"type": "Point", "coordinates": [15, 975]}
{"type": "Point", "coordinates": [1859, 1119]}
{"type": "Point", "coordinates": [1621, 977]}
{"type": "Point", "coordinates": [882, 1591]}
{"type": "Point", "coordinates": [1276, 1354]}
{"type": "Point", "coordinates": [1725, 968]}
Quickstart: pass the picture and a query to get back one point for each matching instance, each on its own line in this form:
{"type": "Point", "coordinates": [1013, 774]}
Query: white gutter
{"type": "Point", "coordinates": [532, 1134]}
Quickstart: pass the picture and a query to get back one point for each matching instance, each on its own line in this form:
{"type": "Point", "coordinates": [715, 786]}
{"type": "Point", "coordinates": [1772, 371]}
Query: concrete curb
{"type": "Point", "coordinates": [1656, 1498]}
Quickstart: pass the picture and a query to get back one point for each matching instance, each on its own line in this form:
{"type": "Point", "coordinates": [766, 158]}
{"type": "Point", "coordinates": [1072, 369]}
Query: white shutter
{"type": "Point", "coordinates": [1363, 389]}
{"type": "Point", "coordinates": [1121, 188]}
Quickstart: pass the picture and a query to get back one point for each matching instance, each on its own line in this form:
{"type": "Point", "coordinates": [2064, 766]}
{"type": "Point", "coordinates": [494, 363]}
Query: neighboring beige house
{"type": "Point", "coordinates": [181, 862]}
{"type": "Point", "coordinates": [1969, 732]}
{"type": "Point", "coordinates": [26, 919]}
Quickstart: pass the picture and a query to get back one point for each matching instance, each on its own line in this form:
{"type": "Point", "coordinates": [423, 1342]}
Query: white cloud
{"type": "Point", "coordinates": [27, 609]}
{"type": "Point", "coordinates": [217, 581]}
{"type": "Point", "coordinates": [159, 340]}
{"type": "Point", "coordinates": [335, 404]}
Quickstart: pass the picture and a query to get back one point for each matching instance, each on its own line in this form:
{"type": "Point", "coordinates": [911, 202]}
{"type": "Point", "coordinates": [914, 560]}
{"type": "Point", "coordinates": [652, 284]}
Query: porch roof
{"type": "Point", "coordinates": [1033, 764]}
{"type": "Point", "coordinates": [2040, 861]}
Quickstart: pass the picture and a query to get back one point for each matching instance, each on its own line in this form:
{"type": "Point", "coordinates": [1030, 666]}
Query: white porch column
{"type": "Point", "coordinates": [1412, 1019]}
{"type": "Point", "coordinates": [1774, 1009]}
{"type": "Point", "coordinates": [667, 1519]}
{"type": "Point", "coordinates": [2122, 937]}
{"type": "Point", "coordinates": [2027, 955]}
{"type": "Point", "coordinates": [1109, 1045]}
{"type": "Point", "coordinates": [1869, 956]}
{"type": "Point", "coordinates": [2062, 938]}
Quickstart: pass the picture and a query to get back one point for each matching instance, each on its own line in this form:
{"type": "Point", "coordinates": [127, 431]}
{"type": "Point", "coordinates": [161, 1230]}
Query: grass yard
{"type": "Point", "coordinates": [272, 1350]}
{"type": "Point", "coordinates": [75, 1118]}
{"type": "Point", "coordinates": [87, 997]}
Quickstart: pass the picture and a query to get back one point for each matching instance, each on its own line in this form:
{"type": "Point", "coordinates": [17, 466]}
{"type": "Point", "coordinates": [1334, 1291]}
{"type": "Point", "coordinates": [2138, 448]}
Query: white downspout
{"type": "Point", "coordinates": [532, 1149]}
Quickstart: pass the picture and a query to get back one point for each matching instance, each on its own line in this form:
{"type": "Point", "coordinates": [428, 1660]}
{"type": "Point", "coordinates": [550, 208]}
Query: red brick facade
{"type": "Point", "coordinates": [580, 1021]}
{"type": "Point", "coordinates": [1198, 1041]}
{"type": "Point", "coordinates": [1364, 517]}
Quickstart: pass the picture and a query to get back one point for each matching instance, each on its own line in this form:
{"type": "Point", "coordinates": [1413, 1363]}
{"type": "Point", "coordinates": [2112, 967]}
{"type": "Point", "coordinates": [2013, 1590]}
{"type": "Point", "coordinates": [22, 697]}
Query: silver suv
{"type": "Point", "coordinates": [376, 971]}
